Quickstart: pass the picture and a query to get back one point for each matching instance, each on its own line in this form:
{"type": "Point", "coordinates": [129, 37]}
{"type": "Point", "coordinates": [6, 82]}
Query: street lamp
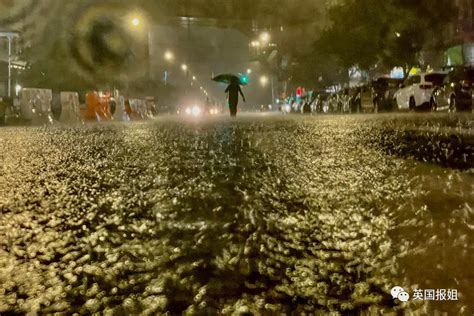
{"type": "Point", "coordinates": [136, 22]}
{"type": "Point", "coordinates": [249, 71]}
{"type": "Point", "coordinates": [264, 80]}
{"type": "Point", "coordinates": [169, 56]}
{"type": "Point", "coordinates": [265, 37]}
{"type": "Point", "coordinates": [184, 67]}
{"type": "Point", "coordinates": [194, 78]}
{"type": "Point", "coordinates": [136, 18]}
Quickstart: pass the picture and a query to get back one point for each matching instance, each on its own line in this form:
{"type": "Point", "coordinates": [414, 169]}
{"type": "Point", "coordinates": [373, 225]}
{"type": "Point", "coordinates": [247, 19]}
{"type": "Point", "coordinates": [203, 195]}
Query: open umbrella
{"type": "Point", "coordinates": [228, 79]}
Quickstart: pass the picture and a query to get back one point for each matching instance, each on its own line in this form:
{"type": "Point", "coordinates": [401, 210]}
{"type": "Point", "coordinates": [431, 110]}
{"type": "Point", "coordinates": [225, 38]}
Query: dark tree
{"type": "Point", "coordinates": [390, 32]}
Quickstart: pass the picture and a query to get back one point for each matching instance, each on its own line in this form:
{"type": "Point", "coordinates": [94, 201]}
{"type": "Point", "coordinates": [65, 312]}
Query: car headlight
{"type": "Point", "coordinates": [196, 110]}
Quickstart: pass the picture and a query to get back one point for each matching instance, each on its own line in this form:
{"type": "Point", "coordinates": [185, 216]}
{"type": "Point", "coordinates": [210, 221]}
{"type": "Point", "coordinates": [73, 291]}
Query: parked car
{"type": "Point", "coordinates": [384, 90]}
{"type": "Point", "coordinates": [416, 91]}
{"type": "Point", "coordinates": [456, 92]}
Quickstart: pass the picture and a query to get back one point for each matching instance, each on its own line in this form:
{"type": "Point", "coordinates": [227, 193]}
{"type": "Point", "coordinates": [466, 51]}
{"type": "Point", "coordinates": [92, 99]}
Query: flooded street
{"type": "Point", "coordinates": [265, 214]}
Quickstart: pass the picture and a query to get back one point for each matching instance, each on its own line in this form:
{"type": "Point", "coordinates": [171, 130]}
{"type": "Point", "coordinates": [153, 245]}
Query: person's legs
{"type": "Point", "coordinates": [233, 109]}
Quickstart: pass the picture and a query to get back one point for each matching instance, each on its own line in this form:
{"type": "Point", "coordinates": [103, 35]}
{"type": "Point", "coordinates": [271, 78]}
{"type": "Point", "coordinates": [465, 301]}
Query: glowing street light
{"type": "Point", "coordinates": [249, 71]}
{"type": "Point", "coordinates": [136, 22]}
{"type": "Point", "coordinates": [194, 78]}
{"type": "Point", "coordinates": [264, 80]}
{"type": "Point", "coordinates": [397, 34]}
{"type": "Point", "coordinates": [169, 56]}
{"type": "Point", "coordinates": [265, 37]}
{"type": "Point", "coordinates": [184, 67]}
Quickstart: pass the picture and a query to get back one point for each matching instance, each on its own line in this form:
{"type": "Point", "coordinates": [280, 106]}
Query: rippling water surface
{"type": "Point", "coordinates": [263, 215]}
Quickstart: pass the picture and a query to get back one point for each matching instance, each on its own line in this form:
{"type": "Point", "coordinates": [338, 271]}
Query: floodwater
{"type": "Point", "coordinates": [264, 214]}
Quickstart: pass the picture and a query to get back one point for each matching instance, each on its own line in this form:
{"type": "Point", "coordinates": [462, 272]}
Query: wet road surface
{"type": "Point", "coordinates": [263, 215]}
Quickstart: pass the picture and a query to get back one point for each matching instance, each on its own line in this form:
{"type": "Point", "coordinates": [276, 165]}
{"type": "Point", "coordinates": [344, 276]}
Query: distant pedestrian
{"type": "Point", "coordinates": [233, 91]}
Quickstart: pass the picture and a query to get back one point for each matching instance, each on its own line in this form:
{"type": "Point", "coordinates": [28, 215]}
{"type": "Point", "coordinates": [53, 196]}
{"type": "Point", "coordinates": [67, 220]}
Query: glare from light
{"type": "Point", "coordinates": [194, 78]}
{"type": "Point", "coordinates": [249, 71]}
{"type": "Point", "coordinates": [265, 37]}
{"type": "Point", "coordinates": [184, 67]}
{"type": "Point", "coordinates": [201, 88]}
{"type": "Point", "coordinates": [169, 56]}
{"type": "Point", "coordinates": [135, 21]}
{"type": "Point", "coordinates": [18, 89]}
{"type": "Point", "coordinates": [196, 110]}
{"type": "Point", "coordinates": [188, 111]}
{"type": "Point", "coordinates": [397, 34]}
{"type": "Point", "coordinates": [263, 80]}
{"type": "Point", "coordinates": [255, 43]}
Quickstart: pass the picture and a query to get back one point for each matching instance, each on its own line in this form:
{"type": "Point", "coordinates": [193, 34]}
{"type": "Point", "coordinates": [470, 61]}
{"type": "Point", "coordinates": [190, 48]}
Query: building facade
{"type": "Point", "coordinates": [461, 51]}
{"type": "Point", "coordinates": [465, 22]}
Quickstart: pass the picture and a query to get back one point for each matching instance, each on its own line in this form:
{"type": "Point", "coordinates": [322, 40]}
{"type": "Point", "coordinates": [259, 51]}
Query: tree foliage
{"type": "Point", "coordinates": [390, 32]}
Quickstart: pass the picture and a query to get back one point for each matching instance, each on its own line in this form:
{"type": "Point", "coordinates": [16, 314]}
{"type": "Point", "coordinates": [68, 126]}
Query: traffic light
{"type": "Point", "coordinates": [244, 79]}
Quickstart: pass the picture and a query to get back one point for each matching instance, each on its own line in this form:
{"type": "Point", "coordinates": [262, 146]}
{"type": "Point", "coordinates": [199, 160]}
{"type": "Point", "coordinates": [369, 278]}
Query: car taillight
{"type": "Point", "coordinates": [426, 86]}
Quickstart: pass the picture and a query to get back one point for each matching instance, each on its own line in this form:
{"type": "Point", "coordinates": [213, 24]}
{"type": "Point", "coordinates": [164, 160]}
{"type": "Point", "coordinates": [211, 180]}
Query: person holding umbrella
{"type": "Point", "coordinates": [232, 91]}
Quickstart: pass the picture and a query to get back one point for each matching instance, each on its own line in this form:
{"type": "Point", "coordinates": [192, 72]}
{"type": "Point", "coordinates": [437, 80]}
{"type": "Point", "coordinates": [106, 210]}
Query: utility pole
{"type": "Point", "coordinates": [9, 67]}
{"type": "Point", "coordinates": [273, 92]}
